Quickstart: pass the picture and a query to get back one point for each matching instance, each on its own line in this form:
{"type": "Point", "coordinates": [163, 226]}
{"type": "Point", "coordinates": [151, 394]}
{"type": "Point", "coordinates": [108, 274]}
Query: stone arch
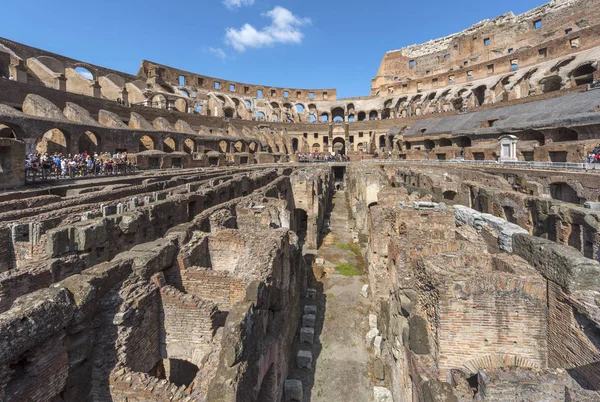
{"type": "Point", "coordinates": [339, 145]}
{"type": "Point", "coordinates": [189, 146]}
{"type": "Point", "coordinates": [181, 105]}
{"type": "Point", "coordinates": [583, 74]}
{"type": "Point", "coordinates": [224, 146]}
{"type": "Point", "coordinates": [382, 141]}
{"type": "Point", "coordinates": [229, 112]}
{"type": "Point", "coordinates": [54, 141]}
{"type": "Point", "coordinates": [316, 147]}
{"type": "Point", "coordinates": [295, 145]}
{"type": "Point", "coordinates": [479, 93]}
{"type": "Point", "coordinates": [85, 73]}
{"type": "Point", "coordinates": [253, 147]}
{"type": "Point", "coordinates": [300, 107]}
{"type": "Point", "coordinates": [463, 142]}
{"type": "Point", "coordinates": [561, 64]}
{"type": "Point", "coordinates": [170, 145]}
{"type": "Point", "coordinates": [445, 142]}
{"type": "Point", "coordinates": [239, 146]}
{"type": "Point", "coordinates": [362, 116]}
{"type": "Point", "coordinates": [428, 145]}
{"type": "Point", "coordinates": [551, 83]}
{"type": "Point", "coordinates": [565, 134]}
{"type": "Point", "coordinates": [386, 113]}
{"type": "Point", "coordinates": [337, 114]}
{"type": "Point", "coordinates": [260, 116]}
{"type": "Point", "coordinates": [146, 143]}
{"type": "Point", "coordinates": [351, 118]}
{"type": "Point", "coordinates": [373, 115]}
{"type": "Point", "coordinates": [89, 142]}
{"type": "Point", "coordinates": [498, 361]}
{"type": "Point", "coordinates": [532, 135]}
{"type": "Point", "coordinates": [159, 101]}
{"type": "Point", "coordinates": [324, 117]}
{"type": "Point", "coordinates": [7, 132]}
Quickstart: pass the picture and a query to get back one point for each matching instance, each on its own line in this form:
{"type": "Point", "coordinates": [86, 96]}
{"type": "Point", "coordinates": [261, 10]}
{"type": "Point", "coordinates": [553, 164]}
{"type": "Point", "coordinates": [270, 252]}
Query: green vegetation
{"type": "Point", "coordinates": [348, 269]}
{"type": "Point", "coordinates": [354, 248]}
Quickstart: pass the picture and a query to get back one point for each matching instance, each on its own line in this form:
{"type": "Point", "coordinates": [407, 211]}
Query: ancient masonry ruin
{"type": "Point", "coordinates": [451, 252]}
{"type": "Point", "coordinates": [207, 285]}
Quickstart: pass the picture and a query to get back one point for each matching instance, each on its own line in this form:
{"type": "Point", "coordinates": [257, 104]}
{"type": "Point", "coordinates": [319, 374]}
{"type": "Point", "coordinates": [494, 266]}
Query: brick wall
{"type": "Point", "coordinates": [491, 316]}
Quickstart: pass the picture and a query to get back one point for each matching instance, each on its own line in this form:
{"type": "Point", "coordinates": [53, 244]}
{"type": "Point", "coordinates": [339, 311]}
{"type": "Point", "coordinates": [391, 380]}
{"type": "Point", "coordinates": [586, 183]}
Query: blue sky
{"type": "Point", "coordinates": [296, 44]}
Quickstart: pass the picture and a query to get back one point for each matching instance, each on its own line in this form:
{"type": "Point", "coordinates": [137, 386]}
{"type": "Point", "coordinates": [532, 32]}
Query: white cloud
{"type": "Point", "coordinates": [235, 4]}
{"type": "Point", "coordinates": [218, 52]}
{"type": "Point", "coordinates": [284, 28]}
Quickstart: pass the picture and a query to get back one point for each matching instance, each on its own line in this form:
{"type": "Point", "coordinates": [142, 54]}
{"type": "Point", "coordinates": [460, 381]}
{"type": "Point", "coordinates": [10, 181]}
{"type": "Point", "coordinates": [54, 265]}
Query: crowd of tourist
{"type": "Point", "coordinates": [322, 157]}
{"type": "Point", "coordinates": [78, 165]}
{"type": "Point", "coordinates": [594, 156]}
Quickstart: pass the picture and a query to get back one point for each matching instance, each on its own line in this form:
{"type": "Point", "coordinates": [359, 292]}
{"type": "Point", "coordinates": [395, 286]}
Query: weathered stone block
{"type": "Point", "coordinates": [307, 335]}
{"type": "Point", "coordinates": [293, 391]}
{"type": "Point", "coordinates": [418, 337]}
{"type": "Point", "coordinates": [377, 344]}
{"type": "Point", "coordinates": [370, 337]}
{"type": "Point", "coordinates": [311, 294]}
{"type": "Point", "coordinates": [310, 309]}
{"type": "Point", "coordinates": [365, 291]}
{"type": "Point", "coordinates": [382, 394]}
{"type": "Point", "coordinates": [372, 321]}
{"type": "Point", "coordinates": [308, 320]}
{"type": "Point", "coordinates": [379, 369]}
{"type": "Point", "coordinates": [304, 359]}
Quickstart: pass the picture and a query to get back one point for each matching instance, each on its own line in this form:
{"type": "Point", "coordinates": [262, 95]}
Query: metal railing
{"type": "Point", "coordinates": [40, 175]}
{"type": "Point", "coordinates": [553, 165]}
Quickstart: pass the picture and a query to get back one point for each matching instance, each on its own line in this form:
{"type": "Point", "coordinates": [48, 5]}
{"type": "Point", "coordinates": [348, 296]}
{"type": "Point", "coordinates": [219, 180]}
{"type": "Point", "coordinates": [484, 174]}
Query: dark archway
{"type": "Point", "coordinates": [428, 144]}
{"type": "Point", "coordinates": [382, 141]}
{"type": "Point", "coordinates": [565, 134]}
{"type": "Point", "coordinates": [583, 74]}
{"type": "Point", "coordinates": [339, 145]}
{"type": "Point", "coordinates": [563, 192]}
{"type": "Point", "coordinates": [189, 146]}
{"type": "Point", "coordinates": [53, 141]}
{"type": "Point", "coordinates": [145, 143]}
{"type": "Point", "coordinates": [89, 142]}
{"type": "Point", "coordinates": [532, 135]}
{"type": "Point", "coordinates": [362, 116]}
{"type": "Point", "coordinates": [294, 145]}
{"type": "Point", "coordinates": [373, 115]}
{"type": "Point", "coordinates": [169, 145]}
{"type": "Point", "coordinates": [445, 142]}
{"type": "Point", "coordinates": [479, 93]}
{"type": "Point", "coordinates": [552, 83]}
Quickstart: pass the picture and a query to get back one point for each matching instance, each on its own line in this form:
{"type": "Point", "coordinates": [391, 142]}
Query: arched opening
{"type": "Point", "coordinates": [313, 118]}
{"type": "Point", "coordinates": [583, 75]}
{"type": "Point", "coordinates": [294, 145]}
{"type": "Point", "coordinates": [316, 147]}
{"type": "Point", "coordinates": [88, 142]}
{"type": "Point", "coordinates": [324, 117]}
{"type": "Point", "coordinates": [189, 146]}
{"type": "Point", "coordinates": [339, 145]}
{"type": "Point", "coordinates": [445, 142]}
{"type": "Point", "coordinates": [382, 141]}
{"type": "Point", "coordinates": [159, 101]}
{"type": "Point", "coordinates": [337, 114]}
{"type": "Point", "coordinates": [532, 135]}
{"type": "Point", "coordinates": [386, 114]}
{"type": "Point", "coordinates": [565, 134]}
{"type": "Point", "coordinates": [351, 118]}
{"type": "Point", "coordinates": [463, 142]}
{"type": "Point", "coordinates": [85, 73]}
{"type": "Point", "coordinates": [362, 116]}
{"type": "Point", "coordinates": [428, 144]}
{"type": "Point", "coordinates": [181, 105]}
{"type": "Point", "coordinates": [7, 132]}
{"type": "Point", "coordinates": [563, 192]}
{"type": "Point", "coordinates": [224, 146]}
{"type": "Point", "coordinates": [145, 143]}
{"type": "Point", "coordinates": [275, 117]}
{"type": "Point", "coordinates": [248, 104]}
{"type": "Point", "coordinates": [53, 141]}
{"type": "Point", "coordinates": [169, 145]}
{"type": "Point", "coordinates": [300, 108]}
{"type": "Point", "coordinates": [260, 116]}
{"type": "Point", "coordinates": [253, 147]}
{"type": "Point", "coordinates": [373, 115]}
{"type": "Point", "coordinates": [509, 214]}
{"type": "Point", "coordinates": [479, 93]}
{"type": "Point", "coordinates": [198, 109]}
{"type": "Point", "coordinates": [238, 146]}
{"type": "Point", "coordinates": [552, 83]}
{"type": "Point", "coordinates": [228, 112]}
{"type": "Point", "coordinates": [449, 195]}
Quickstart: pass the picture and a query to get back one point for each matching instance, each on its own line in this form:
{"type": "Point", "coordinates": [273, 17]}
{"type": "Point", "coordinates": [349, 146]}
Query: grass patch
{"type": "Point", "coordinates": [330, 295]}
{"type": "Point", "coordinates": [348, 269]}
{"type": "Point", "coordinates": [354, 248]}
